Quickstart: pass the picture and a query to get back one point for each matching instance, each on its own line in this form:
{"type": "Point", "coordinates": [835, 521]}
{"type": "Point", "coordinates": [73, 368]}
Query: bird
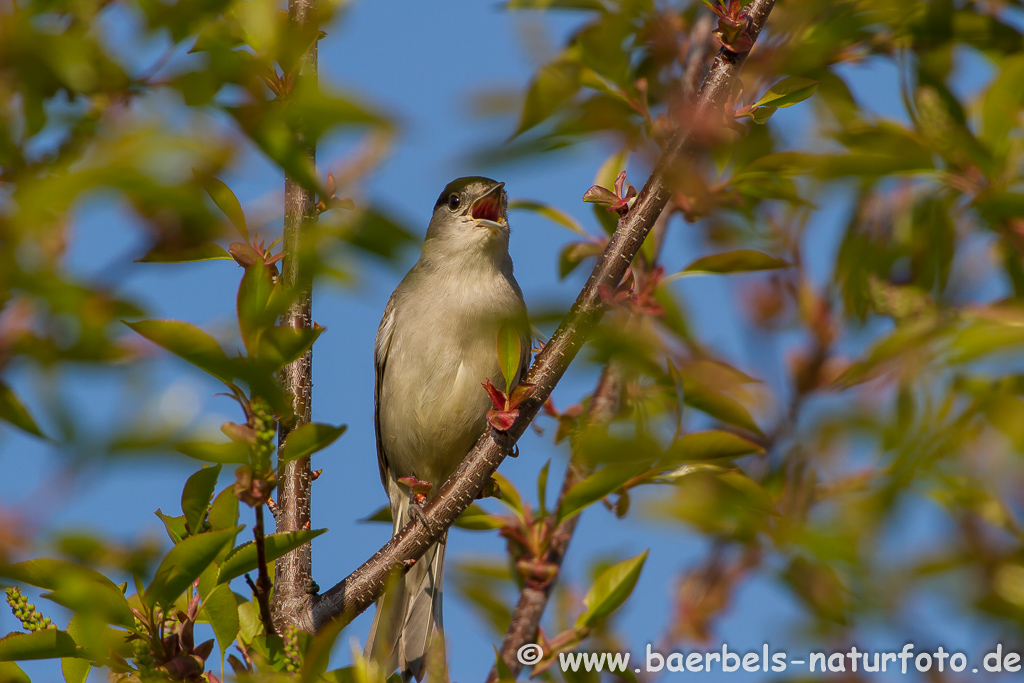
{"type": "Point", "coordinates": [436, 345]}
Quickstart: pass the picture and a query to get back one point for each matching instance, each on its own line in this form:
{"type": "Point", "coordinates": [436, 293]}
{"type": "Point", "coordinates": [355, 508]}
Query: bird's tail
{"type": "Point", "coordinates": [408, 615]}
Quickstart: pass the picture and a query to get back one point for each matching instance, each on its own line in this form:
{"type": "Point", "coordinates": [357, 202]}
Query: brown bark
{"type": "Point", "coordinates": [604, 406]}
{"type": "Point", "coordinates": [294, 572]}
{"type": "Point", "coordinates": [356, 592]}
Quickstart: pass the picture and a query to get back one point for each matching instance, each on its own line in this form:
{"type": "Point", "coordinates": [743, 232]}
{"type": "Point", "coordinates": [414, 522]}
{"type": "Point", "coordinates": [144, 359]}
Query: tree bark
{"type": "Point", "coordinates": [358, 591]}
{"type": "Point", "coordinates": [604, 406]}
{"type": "Point", "coordinates": [294, 585]}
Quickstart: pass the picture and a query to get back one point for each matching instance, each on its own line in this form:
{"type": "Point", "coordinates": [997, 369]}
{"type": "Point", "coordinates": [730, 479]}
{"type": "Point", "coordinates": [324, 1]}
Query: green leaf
{"type": "Point", "coordinates": [710, 445]}
{"type": "Point", "coordinates": [46, 644]}
{"type": "Point", "coordinates": [308, 439]}
{"type": "Point", "coordinates": [243, 558]}
{"type": "Point", "coordinates": [184, 563]}
{"type": "Point", "coordinates": [224, 511]}
{"type": "Point", "coordinates": [509, 348]}
{"type": "Point", "coordinates": [12, 673]}
{"type": "Point", "coordinates": [253, 297]}
{"type": "Point", "coordinates": [505, 674]}
{"type": "Point", "coordinates": [509, 494]}
{"type": "Point", "coordinates": [188, 342]}
{"type": "Point", "coordinates": [761, 115]}
{"type": "Point", "coordinates": [170, 253]}
{"type": "Point", "coordinates": [610, 590]}
{"type": "Point", "coordinates": [718, 405]}
{"type": "Point", "coordinates": [595, 487]}
{"type": "Point", "coordinates": [196, 495]}
{"type": "Point", "coordinates": [573, 254]}
{"type": "Point", "coordinates": [75, 670]}
{"type": "Point", "coordinates": [555, 215]}
{"type": "Point", "coordinates": [13, 411]}
{"type": "Point", "coordinates": [230, 452]}
{"type": "Point", "coordinates": [175, 526]}
{"type": "Point", "coordinates": [225, 200]}
{"type": "Point", "coordinates": [222, 611]}
{"type": "Point", "coordinates": [738, 261]}
{"type": "Point", "coordinates": [51, 573]}
{"type": "Point", "coordinates": [100, 600]}
{"type": "Point", "coordinates": [787, 92]}
{"type": "Point", "coordinates": [280, 345]}
{"type": "Point", "coordinates": [542, 487]}
{"type": "Point", "coordinates": [475, 518]}
{"type": "Point", "coordinates": [554, 83]}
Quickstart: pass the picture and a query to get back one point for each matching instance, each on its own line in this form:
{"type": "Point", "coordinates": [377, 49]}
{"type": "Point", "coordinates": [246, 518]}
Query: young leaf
{"type": "Point", "coordinates": [95, 599]}
{"type": "Point", "coordinates": [230, 452]}
{"type": "Point", "coordinates": [308, 439]}
{"type": "Point", "coordinates": [253, 297]}
{"type": "Point", "coordinates": [51, 573]}
{"type": "Point", "coordinates": [555, 215]}
{"type": "Point", "coordinates": [610, 590]}
{"type": "Point", "coordinates": [222, 611]}
{"type": "Point", "coordinates": [13, 411]}
{"type": "Point", "coordinates": [542, 487]}
{"type": "Point", "coordinates": [75, 670]}
{"type": "Point", "coordinates": [595, 487]}
{"type": "Point", "coordinates": [554, 83]}
{"type": "Point", "coordinates": [12, 673]}
{"type": "Point", "coordinates": [184, 563]}
{"type": "Point", "coordinates": [738, 261]}
{"type": "Point", "coordinates": [48, 643]}
{"type": "Point", "coordinates": [196, 495]}
{"type": "Point", "coordinates": [509, 347]}
{"type": "Point", "coordinates": [788, 92]}
{"type": "Point", "coordinates": [509, 494]}
{"type": "Point", "coordinates": [475, 518]}
{"type": "Point", "coordinates": [244, 559]}
{"type": "Point", "coordinates": [189, 342]}
{"type": "Point", "coordinates": [225, 200]}
{"type": "Point", "coordinates": [165, 253]}
{"type": "Point", "coordinates": [279, 345]}
{"type": "Point", "coordinates": [710, 445]}
{"type": "Point", "coordinates": [224, 511]}
{"type": "Point", "coordinates": [175, 526]}
{"type": "Point", "coordinates": [718, 404]}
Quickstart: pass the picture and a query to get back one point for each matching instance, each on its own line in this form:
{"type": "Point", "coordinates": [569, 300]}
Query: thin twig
{"type": "Point", "coordinates": [262, 586]}
{"type": "Point", "coordinates": [358, 591]}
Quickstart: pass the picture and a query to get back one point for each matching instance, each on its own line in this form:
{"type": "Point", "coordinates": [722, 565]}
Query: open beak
{"type": "Point", "coordinates": [489, 209]}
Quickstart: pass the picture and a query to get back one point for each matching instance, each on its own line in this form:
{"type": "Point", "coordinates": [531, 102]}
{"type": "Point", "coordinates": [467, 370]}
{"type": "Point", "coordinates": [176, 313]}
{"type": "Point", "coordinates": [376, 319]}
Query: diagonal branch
{"type": "Point", "coordinates": [604, 406]}
{"type": "Point", "coordinates": [358, 590]}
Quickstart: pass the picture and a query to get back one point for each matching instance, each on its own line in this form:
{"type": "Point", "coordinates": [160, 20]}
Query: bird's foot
{"type": "Point", "coordinates": [418, 492]}
{"type": "Point", "coordinates": [505, 442]}
{"type": "Point", "coordinates": [312, 587]}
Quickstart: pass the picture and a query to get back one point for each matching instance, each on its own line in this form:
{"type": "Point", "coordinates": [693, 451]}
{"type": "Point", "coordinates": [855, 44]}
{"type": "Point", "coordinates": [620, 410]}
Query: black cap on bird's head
{"type": "Point", "coordinates": [475, 197]}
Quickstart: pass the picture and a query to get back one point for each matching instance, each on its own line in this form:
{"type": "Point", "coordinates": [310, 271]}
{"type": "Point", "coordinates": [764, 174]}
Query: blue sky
{"type": "Point", "coordinates": [421, 62]}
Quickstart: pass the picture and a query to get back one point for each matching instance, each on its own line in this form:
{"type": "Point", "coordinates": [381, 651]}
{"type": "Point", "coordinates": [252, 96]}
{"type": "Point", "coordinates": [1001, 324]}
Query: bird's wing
{"type": "Point", "coordinates": [380, 360]}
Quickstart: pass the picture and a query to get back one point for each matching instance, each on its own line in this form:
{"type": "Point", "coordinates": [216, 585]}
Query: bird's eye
{"type": "Point", "coordinates": [453, 202]}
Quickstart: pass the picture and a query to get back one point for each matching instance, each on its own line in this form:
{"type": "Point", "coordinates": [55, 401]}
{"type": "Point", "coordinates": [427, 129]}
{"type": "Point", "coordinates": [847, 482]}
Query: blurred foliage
{"type": "Point", "coordinates": [885, 375]}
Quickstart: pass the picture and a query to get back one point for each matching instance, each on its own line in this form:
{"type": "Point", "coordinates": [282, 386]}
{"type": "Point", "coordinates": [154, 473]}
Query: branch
{"type": "Point", "coordinates": [294, 579]}
{"type": "Point", "coordinates": [604, 406]}
{"type": "Point", "coordinates": [358, 591]}
{"type": "Point", "coordinates": [262, 586]}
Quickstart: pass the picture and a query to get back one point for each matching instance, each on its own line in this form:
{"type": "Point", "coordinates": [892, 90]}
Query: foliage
{"type": "Point", "coordinates": [886, 379]}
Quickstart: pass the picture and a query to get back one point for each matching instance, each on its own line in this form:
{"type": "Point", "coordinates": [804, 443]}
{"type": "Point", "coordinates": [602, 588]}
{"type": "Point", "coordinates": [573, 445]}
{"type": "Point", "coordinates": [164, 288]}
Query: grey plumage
{"type": "Point", "coordinates": [436, 344]}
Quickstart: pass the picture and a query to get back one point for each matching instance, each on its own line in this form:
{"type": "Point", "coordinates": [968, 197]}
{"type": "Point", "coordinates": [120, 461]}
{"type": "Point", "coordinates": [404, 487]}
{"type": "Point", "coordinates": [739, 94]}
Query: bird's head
{"type": "Point", "coordinates": [470, 214]}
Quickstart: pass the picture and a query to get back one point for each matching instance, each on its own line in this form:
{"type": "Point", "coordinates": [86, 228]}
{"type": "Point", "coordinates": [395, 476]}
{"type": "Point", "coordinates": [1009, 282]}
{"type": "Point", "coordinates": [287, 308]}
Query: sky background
{"type": "Point", "coordinates": [421, 62]}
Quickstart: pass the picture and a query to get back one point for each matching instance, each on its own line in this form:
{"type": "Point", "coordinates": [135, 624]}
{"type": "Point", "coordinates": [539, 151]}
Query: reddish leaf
{"type": "Point", "coordinates": [502, 420]}
{"type": "Point", "coordinates": [497, 397]}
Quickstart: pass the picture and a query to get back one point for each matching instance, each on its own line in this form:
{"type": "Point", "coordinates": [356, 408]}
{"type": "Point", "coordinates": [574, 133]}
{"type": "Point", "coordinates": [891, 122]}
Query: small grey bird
{"type": "Point", "coordinates": [436, 345]}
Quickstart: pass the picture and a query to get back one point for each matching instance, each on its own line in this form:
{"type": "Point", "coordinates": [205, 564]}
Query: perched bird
{"type": "Point", "coordinates": [436, 345]}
